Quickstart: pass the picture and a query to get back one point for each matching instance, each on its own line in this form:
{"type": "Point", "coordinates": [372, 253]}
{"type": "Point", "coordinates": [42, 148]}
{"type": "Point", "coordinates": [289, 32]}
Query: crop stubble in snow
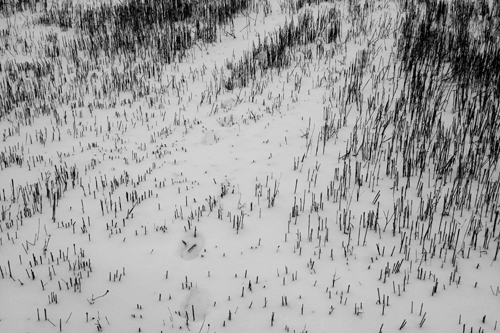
{"type": "Point", "coordinates": [249, 166]}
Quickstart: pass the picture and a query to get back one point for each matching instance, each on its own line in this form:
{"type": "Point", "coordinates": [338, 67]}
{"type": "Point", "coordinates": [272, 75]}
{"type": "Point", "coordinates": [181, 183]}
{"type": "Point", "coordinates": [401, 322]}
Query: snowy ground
{"type": "Point", "coordinates": [189, 209]}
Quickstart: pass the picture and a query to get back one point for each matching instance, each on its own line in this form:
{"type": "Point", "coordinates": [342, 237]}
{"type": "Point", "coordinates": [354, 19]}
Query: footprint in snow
{"type": "Point", "coordinates": [190, 246]}
{"type": "Point", "coordinates": [200, 300]}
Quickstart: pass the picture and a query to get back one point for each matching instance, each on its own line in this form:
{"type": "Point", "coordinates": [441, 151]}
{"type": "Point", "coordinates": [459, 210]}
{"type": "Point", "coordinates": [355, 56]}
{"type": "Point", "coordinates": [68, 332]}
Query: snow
{"type": "Point", "coordinates": [214, 216]}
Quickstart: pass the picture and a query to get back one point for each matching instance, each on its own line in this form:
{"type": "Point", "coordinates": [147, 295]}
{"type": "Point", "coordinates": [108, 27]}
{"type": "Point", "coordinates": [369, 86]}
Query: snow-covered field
{"type": "Point", "coordinates": [250, 166]}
